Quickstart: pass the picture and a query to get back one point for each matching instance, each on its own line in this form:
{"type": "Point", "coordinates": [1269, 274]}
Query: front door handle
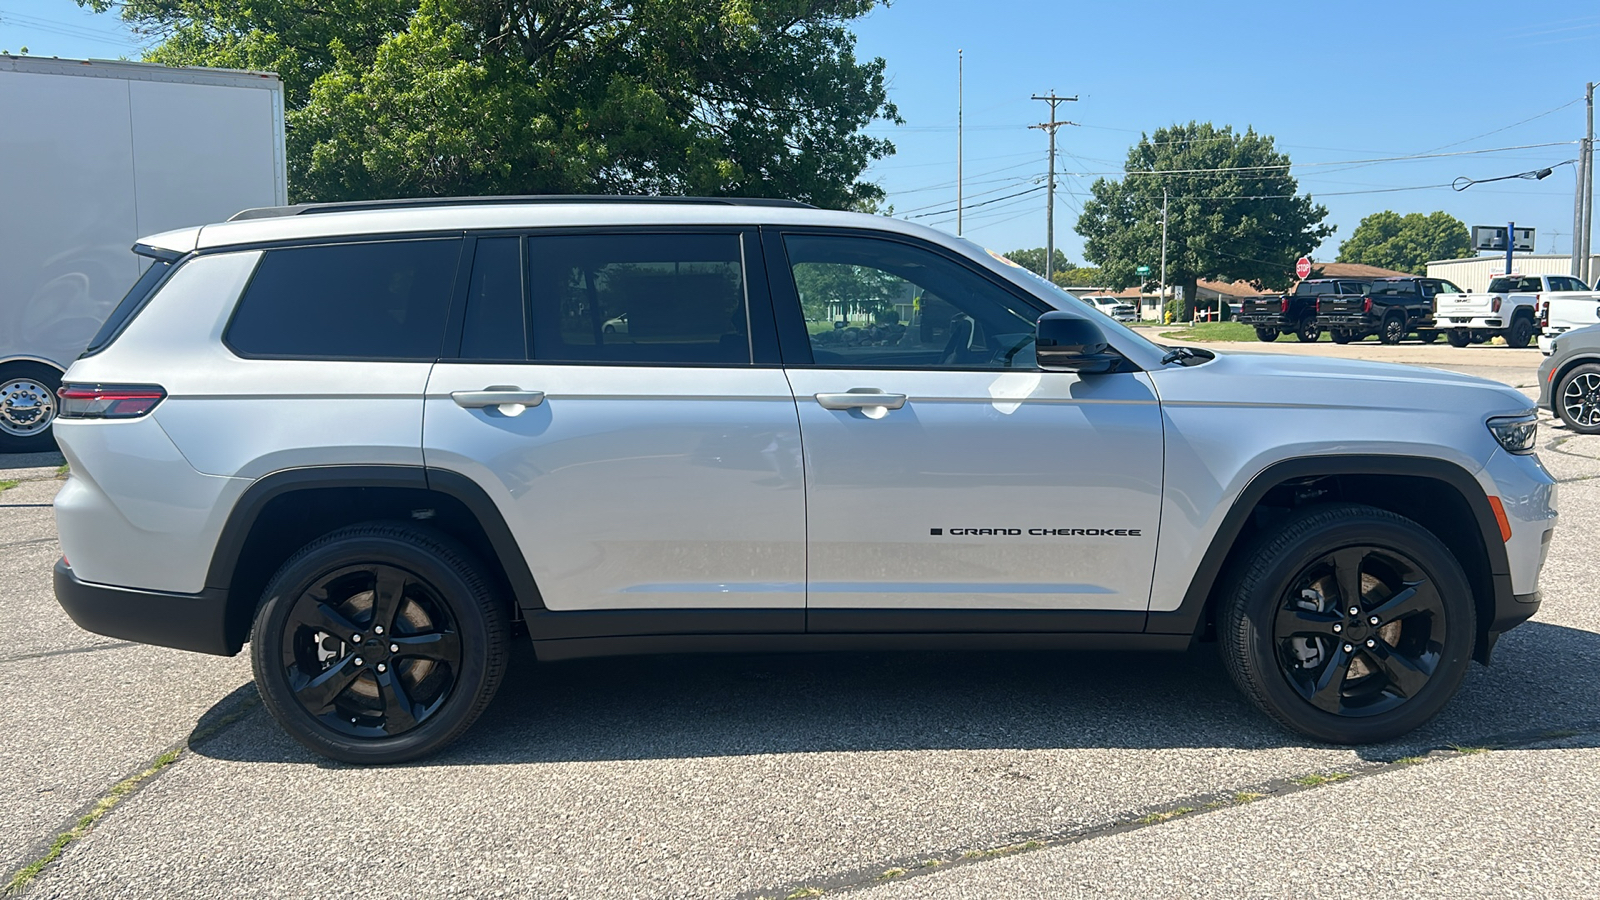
{"type": "Point", "coordinates": [510, 399]}
{"type": "Point", "coordinates": [861, 398]}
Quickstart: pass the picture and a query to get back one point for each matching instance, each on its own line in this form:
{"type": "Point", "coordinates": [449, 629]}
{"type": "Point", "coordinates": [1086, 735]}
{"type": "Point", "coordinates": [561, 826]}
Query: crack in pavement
{"type": "Point", "coordinates": [45, 654]}
{"type": "Point", "coordinates": [904, 868]}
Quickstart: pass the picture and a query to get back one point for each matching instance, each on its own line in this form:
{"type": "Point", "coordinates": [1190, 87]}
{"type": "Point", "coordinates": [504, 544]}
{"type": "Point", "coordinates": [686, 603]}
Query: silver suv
{"type": "Point", "coordinates": [376, 440]}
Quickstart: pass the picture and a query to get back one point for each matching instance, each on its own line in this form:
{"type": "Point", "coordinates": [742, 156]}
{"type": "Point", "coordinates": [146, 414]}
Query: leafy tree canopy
{"type": "Point", "coordinates": [1234, 213]}
{"type": "Point", "coordinates": [1406, 243]}
{"type": "Point", "coordinates": [438, 97]}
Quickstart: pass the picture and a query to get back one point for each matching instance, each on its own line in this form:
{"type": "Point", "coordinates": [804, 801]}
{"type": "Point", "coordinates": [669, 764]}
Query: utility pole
{"type": "Point", "coordinates": [1162, 306]}
{"type": "Point", "coordinates": [961, 81]}
{"type": "Point", "coordinates": [1588, 184]}
{"type": "Point", "coordinates": [1050, 192]}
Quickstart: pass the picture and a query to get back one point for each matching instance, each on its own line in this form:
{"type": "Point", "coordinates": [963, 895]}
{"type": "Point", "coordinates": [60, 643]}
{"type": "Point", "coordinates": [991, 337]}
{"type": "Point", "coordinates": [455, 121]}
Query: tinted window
{"type": "Point", "coordinates": [669, 298]}
{"type": "Point", "coordinates": [494, 327]}
{"type": "Point", "coordinates": [353, 301]}
{"type": "Point", "coordinates": [1392, 287]}
{"type": "Point", "coordinates": [1314, 288]}
{"type": "Point", "coordinates": [1448, 287]}
{"type": "Point", "coordinates": [871, 303]}
{"type": "Point", "coordinates": [131, 303]}
{"type": "Point", "coordinates": [1502, 285]}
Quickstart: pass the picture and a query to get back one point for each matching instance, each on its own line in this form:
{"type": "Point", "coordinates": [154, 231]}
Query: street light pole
{"type": "Point", "coordinates": [1163, 292]}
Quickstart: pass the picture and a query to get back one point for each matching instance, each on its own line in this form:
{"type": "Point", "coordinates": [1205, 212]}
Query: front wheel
{"type": "Point", "coordinates": [378, 643]}
{"type": "Point", "coordinates": [1308, 332]}
{"type": "Point", "coordinates": [1578, 399]}
{"type": "Point", "coordinates": [1264, 333]}
{"type": "Point", "coordinates": [1350, 624]}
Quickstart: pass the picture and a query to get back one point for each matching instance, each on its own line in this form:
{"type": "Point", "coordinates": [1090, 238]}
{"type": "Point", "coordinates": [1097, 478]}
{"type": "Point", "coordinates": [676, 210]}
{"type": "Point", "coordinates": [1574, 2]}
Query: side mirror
{"type": "Point", "coordinates": [1067, 343]}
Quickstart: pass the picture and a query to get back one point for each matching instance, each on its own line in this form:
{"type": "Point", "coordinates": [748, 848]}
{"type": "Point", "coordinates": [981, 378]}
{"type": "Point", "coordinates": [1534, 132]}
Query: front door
{"type": "Point", "coordinates": [641, 459]}
{"type": "Point", "coordinates": [951, 484]}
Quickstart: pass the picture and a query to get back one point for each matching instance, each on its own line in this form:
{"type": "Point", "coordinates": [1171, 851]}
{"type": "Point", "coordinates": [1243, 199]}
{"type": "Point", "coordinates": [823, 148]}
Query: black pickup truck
{"type": "Point", "coordinates": [1296, 312]}
{"type": "Point", "coordinates": [1391, 308]}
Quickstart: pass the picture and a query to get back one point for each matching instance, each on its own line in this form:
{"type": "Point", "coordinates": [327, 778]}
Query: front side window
{"type": "Point", "coordinates": [884, 304]}
{"type": "Point", "coordinates": [382, 301]}
{"type": "Point", "coordinates": [639, 298]}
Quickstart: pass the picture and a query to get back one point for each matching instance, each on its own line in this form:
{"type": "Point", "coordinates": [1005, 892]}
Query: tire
{"type": "Point", "coordinates": [610, 329]}
{"type": "Point", "coordinates": [446, 648]}
{"type": "Point", "coordinates": [1393, 329]}
{"type": "Point", "coordinates": [1339, 336]}
{"type": "Point", "coordinates": [1428, 337]}
{"type": "Point", "coordinates": [1520, 332]}
{"type": "Point", "coordinates": [1307, 332]}
{"type": "Point", "coordinates": [28, 407]}
{"type": "Point", "coordinates": [1581, 410]}
{"type": "Point", "coordinates": [1459, 337]}
{"type": "Point", "coordinates": [1266, 334]}
{"type": "Point", "coordinates": [1277, 624]}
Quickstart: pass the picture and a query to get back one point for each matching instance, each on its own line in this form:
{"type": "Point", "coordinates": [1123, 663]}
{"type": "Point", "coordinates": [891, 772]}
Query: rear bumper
{"type": "Point", "coordinates": [195, 622]}
{"type": "Point", "coordinates": [1262, 320]}
{"type": "Point", "coordinates": [1473, 323]}
{"type": "Point", "coordinates": [1357, 321]}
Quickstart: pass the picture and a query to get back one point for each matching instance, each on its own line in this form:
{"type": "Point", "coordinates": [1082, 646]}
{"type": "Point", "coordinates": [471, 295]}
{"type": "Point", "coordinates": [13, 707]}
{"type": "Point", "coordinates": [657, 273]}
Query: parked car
{"type": "Point", "coordinates": [1125, 312]}
{"type": "Point", "coordinates": [1001, 470]}
{"type": "Point", "coordinates": [1511, 308]}
{"type": "Point", "coordinates": [1569, 379]}
{"type": "Point", "coordinates": [1564, 311]}
{"type": "Point", "coordinates": [618, 325]}
{"type": "Point", "coordinates": [1107, 305]}
{"type": "Point", "coordinates": [1296, 312]}
{"type": "Point", "coordinates": [1391, 308]}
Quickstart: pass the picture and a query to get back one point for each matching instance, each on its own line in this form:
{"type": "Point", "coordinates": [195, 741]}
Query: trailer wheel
{"type": "Point", "coordinates": [27, 407]}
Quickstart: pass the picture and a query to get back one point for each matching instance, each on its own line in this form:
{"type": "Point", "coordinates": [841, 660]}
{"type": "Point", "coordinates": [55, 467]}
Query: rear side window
{"type": "Point", "coordinates": [494, 327]}
{"type": "Point", "coordinates": [643, 298]}
{"type": "Point", "coordinates": [385, 301]}
{"type": "Point", "coordinates": [129, 306]}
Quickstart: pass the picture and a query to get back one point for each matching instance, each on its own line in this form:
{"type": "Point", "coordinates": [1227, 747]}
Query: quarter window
{"type": "Point", "coordinates": [643, 298]}
{"type": "Point", "coordinates": [884, 304]}
{"type": "Point", "coordinates": [348, 301]}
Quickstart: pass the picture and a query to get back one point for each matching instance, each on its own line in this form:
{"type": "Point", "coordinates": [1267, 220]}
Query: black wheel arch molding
{"type": "Point", "coordinates": [1490, 572]}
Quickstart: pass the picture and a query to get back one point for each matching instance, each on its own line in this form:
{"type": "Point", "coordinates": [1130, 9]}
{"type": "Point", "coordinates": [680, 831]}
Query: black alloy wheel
{"type": "Point", "coordinates": [1308, 331]}
{"type": "Point", "coordinates": [1459, 337]}
{"type": "Point", "coordinates": [1578, 399]}
{"type": "Point", "coordinates": [1393, 330]}
{"type": "Point", "coordinates": [1520, 333]}
{"type": "Point", "coordinates": [1351, 624]}
{"type": "Point", "coordinates": [1266, 333]}
{"type": "Point", "coordinates": [378, 643]}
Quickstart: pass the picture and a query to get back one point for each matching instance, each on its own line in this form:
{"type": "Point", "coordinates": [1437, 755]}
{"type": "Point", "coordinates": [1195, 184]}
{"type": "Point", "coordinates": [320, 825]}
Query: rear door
{"type": "Point", "coordinates": [951, 484]}
{"type": "Point", "coordinates": [617, 395]}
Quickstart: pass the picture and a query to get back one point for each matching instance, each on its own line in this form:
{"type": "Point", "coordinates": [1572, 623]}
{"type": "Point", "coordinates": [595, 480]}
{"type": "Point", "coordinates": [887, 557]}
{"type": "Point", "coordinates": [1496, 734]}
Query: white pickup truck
{"type": "Point", "coordinates": [1564, 312]}
{"type": "Point", "coordinates": [1511, 308]}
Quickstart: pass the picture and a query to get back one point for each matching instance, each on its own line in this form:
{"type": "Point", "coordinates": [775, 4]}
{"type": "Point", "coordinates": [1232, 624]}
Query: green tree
{"type": "Point", "coordinates": [1233, 211]}
{"type": "Point", "coordinates": [1033, 260]}
{"type": "Point", "coordinates": [1406, 243]}
{"type": "Point", "coordinates": [436, 97]}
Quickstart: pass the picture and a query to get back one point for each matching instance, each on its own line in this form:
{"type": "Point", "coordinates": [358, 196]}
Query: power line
{"type": "Point", "coordinates": [1343, 162]}
{"type": "Point", "coordinates": [1032, 190]}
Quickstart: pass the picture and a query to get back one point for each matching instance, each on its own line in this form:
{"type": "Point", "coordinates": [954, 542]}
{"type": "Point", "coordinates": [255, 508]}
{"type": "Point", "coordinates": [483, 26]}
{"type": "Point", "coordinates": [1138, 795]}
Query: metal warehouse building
{"type": "Point", "coordinates": [1473, 274]}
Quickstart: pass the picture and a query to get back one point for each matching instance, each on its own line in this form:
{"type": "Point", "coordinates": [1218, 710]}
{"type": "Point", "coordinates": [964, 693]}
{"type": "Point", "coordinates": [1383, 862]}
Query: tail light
{"type": "Point", "coordinates": [1544, 314]}
{"type": "Point", "coordinates": [1366, 304]}
{"type": "Point", "coordinates": [1494, 305]}
{"type": "Point", "coordinates": [1283, 305]}
{"type": "Point", "coordinates": [108, 401]}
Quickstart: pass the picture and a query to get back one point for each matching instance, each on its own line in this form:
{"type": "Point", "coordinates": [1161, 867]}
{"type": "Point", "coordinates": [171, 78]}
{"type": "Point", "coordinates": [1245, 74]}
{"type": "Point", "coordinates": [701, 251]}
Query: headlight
{"type": "Point", "coordinates": [1515, 434]}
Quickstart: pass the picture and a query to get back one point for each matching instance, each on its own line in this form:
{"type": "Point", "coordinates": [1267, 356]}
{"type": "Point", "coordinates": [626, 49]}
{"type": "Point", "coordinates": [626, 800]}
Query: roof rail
{"type": "Point", "coordinates": [269, 212]}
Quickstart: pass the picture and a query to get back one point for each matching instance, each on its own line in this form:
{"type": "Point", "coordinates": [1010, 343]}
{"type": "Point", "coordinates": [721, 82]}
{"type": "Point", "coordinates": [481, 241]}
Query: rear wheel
{"type": "Point", "coordinates": [27, 407]}
{"type": "Point", "coordinates": [1349, 624]}
{"type": "Point", "coordinates": [1460, 338]}
{"type": "Point", "coordinates": [1265, 333]}
{"type": "Point", "coordinates": [1577, 399]}
{"type": "Point", "coordinates": [1393, 330]}
{"type": "Point", "coordinates": [1307, 331]}
{"type": "Point", "coordinates": [378, 643]}
{"type": "Point", "coordinates": [1520, 332]}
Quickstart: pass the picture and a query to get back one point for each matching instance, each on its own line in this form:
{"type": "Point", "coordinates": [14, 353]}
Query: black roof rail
{"type": "Point", "coordinates": [271, 212]}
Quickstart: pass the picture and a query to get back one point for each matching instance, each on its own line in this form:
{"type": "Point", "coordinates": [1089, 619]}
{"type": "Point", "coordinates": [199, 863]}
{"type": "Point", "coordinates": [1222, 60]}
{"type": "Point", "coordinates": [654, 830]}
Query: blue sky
{"type": "Point", "coordinates": [1331, 82]}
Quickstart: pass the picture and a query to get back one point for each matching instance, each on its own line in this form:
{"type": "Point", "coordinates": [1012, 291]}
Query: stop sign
{"type": "Point", "coordinates": [1302, 268]}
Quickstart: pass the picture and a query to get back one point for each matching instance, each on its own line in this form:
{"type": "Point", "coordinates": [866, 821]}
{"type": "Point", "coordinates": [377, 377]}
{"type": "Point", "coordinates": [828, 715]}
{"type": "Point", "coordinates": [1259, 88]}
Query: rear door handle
{"type": "Point", "coordinates": [510, 399]}
{"type": "Point", "coordinates": [861, 398]}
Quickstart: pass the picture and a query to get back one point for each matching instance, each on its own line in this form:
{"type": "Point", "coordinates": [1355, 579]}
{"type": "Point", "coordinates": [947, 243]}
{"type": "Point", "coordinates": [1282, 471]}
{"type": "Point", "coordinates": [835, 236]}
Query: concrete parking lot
{"type": "Point", "coordinates": [133, 771]}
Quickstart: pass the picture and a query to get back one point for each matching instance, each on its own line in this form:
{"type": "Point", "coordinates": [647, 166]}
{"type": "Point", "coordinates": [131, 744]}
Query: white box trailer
{"type": "Point", "coordinates": [94, 154]}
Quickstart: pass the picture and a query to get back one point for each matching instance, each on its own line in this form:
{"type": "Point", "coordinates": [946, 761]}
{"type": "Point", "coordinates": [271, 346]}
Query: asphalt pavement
{"type": "Point", "coordinates": [894, 775]}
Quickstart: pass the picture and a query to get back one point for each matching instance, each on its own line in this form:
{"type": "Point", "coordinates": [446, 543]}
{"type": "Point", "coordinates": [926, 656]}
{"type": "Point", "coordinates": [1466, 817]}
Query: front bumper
{"type": "Point", "coordinates": [195, 622]}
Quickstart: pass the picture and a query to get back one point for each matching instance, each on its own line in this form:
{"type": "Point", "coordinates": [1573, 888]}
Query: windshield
{"type": "Point", "coordinates": [1060, 299]}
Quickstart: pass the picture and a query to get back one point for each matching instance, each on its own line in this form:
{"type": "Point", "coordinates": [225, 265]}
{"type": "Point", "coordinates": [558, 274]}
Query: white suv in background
{"type": "Point", "coordinates": [375, 439]}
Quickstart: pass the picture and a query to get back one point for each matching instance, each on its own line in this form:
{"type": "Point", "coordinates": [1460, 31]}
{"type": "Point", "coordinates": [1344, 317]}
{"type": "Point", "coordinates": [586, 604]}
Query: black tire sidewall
{"type": "Point", "coordinates": [1266, 335]}
{"type": "Point", "coordinates": [1308, 326]}
{"type": "Point", "coordinates": [1388, 325]}
{"type": "Point", "coordinates": [1254, 597]}
{"type": "Point", "coordinates": [1560, 392]}
{"type": "Point", "coordinates": [1520, 332]}
{"type": "Point", "coordinates": [482, 635]}
{"type": "Point", "coordinates": [50, 377]}
{"type": "Point", "coordinates": [1460, 339]}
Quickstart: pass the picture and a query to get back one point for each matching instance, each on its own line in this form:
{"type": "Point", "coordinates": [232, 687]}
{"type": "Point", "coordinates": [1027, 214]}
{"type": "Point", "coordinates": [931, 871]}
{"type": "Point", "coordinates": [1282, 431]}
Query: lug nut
{"type": "Point", "coordinates": [378, 629]}
{"type": "Point", "coordinates": [355, 639]}
{"type": "Point", "coordinates": [394, 648]}
{"type": "Point", "coordinates": [1337, 628]}
{"type": "Point", "coordinates": [382, 667]}
{"type": "Point", "coordinates": [1371, 643]}
{"type": "Point", "coordinates": [360, 661]}
{"type": "Point", "coordinates": [1349, 648]}
{"type": "Point", "coordinates": [1355, 611]}
{"type": "Point", "coordinates": [1373, 621]}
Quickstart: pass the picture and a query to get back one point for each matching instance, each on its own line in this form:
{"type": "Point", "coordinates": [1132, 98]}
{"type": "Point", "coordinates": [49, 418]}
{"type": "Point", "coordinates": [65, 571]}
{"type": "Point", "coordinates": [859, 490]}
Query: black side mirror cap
{"type": "Point", "coordinates": [1067, 343]}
